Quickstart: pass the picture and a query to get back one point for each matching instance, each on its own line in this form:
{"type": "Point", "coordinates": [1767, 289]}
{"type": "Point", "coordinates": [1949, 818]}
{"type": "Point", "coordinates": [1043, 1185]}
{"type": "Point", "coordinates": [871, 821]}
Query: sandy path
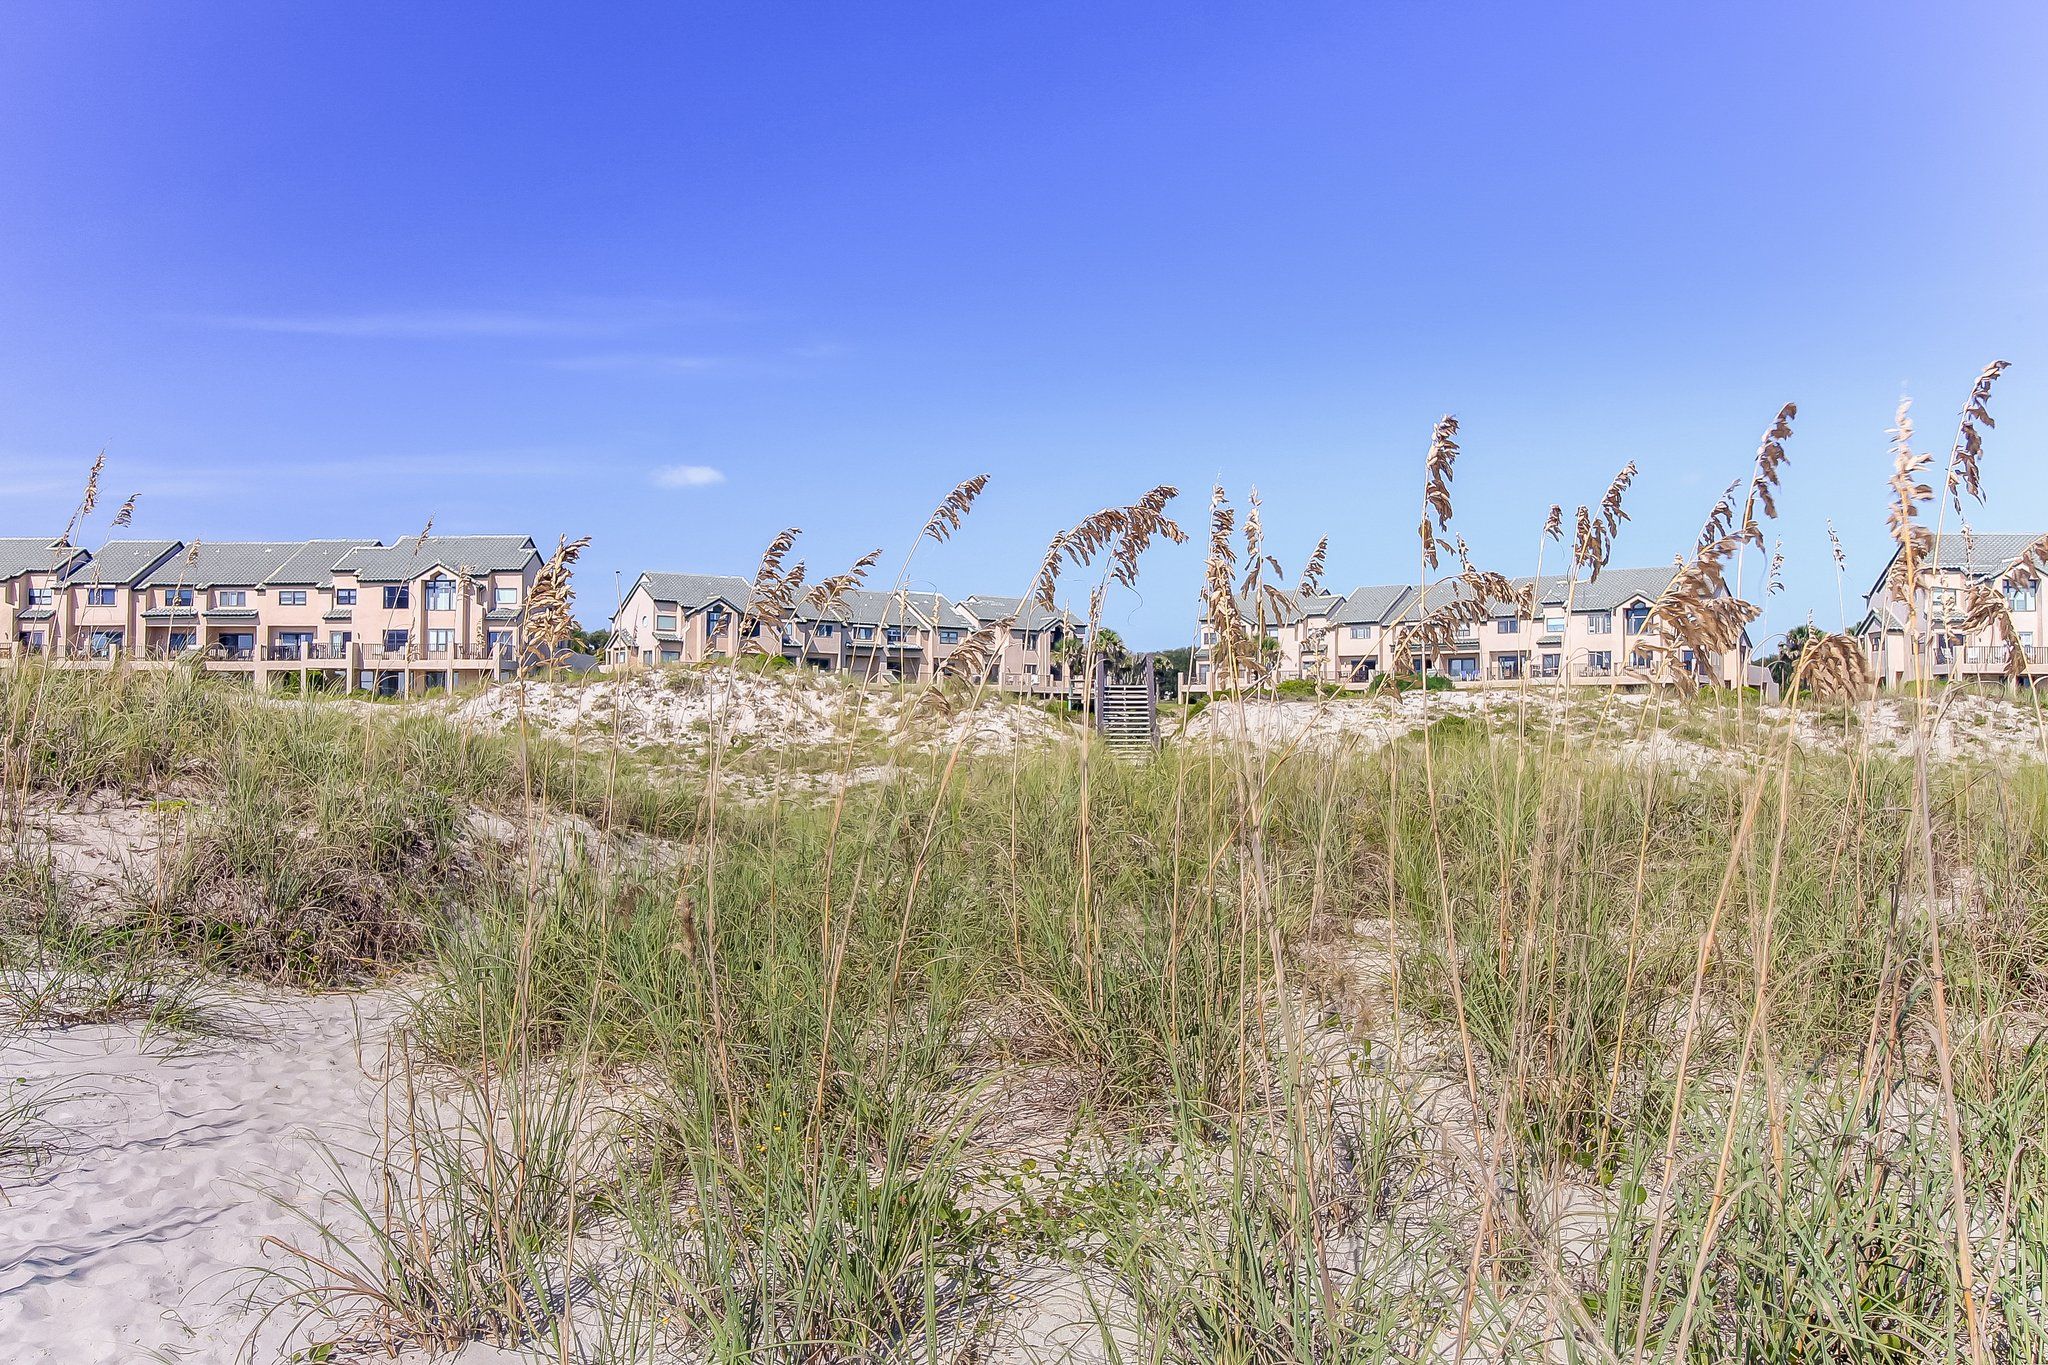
{"type": "Point", "coordinates": [130, 1244]}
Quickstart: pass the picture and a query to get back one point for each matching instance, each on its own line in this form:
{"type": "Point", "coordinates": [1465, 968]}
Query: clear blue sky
{"type": "Point", "coordinates": [334, 269]}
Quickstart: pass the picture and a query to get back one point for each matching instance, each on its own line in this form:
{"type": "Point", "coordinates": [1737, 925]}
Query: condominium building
{"type": "Point", "coordinates": [683, 618]}
{"type": "Point", "coordinates": [1589, 633]}
{"type": "Point", "coordinates": [1030, 660]}
{"type": "Point", "coordinates": [1932, 639]}
{"type": "Point", "coordinates": [432, 612]}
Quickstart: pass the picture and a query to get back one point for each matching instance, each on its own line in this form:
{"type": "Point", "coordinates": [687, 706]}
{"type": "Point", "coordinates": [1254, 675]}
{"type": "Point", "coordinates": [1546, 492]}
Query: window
{"type": "Point", "coordinates": [397, 596]}
{"type": "Point", "coordinates": [1508, 625]}
{"type": "Point", "coordinates": [99, 597]}
{"type": "Point", "coordinates": [1031, 670]}
{"type": "Point", "coordinates": [1018, 636]}
{"type": "Point", "coordinates": [671, 656]}
{"type": "Point", "coordinates": [1600, 661]}
{"type": "Point", "coordinates": [1632, 619]}
{"type": "Point", "coordinates": [714, 622]}
{"type": "Point", "coordinates": [180, 642]}
{"type": "Point", "coordinates": [1031, 640]}
{"type": "Point", "coordinates": [440, 594]}
{"type": "Point", "coordinates": [894, 634]}
{"type": "Point", "coordinates": [1361, 632]}
{"type": "Point", "coordinates": [231, 597]}
{"type": "Point", "coordinates": [39, 597]}
{"type": "Point", "coordinates": [1463, 668]}
{"type": "Point", "coordinates": [666, 622]}
{"type": "Point", "coordinates": [338, 642]}
{"type": "Point", "coordinates": [1600, 622]}
{"type": "Point", "coordinates": [863, 632]}
{"type": "Point", "coordinates": [949, 637]}
{"type": "Point", "coordinates": [177, 597]}
{"type": "Point", "coordinates": [2022, 596]}
{"type": "Point", "coordinates": [440, 641]}
{"type": "Point", "coordinates": [1550, 663]}
{"type": "Point", "coordinates": [34, 640]}
{"type": "Point", "coordinates": [1208, 636]}
{"type": "Point", "coordinates": [500, 640]}
{"type": "Point", "coordinates": [396, 640]}
{"type": "Point", "coordinates": [823, 630]}
{"type": "Point", "coordinates": [291, 597]}
{"type": "Point", "coordinates": [105, 642]}
{"type": "Point", "coordinates": [1201, 673]}
{"type": "Point", "coordinates": [504, 598]}
{"type": "Point", "coordinates": [344, 597]}
{"type": "Point", "coordinates": [1553, 623]}
{"type": "Point", "coordinates": [1639, 660]}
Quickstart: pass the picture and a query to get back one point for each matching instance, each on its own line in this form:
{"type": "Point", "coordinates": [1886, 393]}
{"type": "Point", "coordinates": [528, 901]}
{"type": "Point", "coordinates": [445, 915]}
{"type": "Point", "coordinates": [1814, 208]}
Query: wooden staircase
{"type": "Point", "coordinates": [1127, 710]}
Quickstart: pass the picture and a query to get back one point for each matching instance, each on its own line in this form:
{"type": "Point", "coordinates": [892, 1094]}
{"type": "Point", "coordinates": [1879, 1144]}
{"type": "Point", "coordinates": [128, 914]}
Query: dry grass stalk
{"type": "Point", "coordinates": [1124, 533]}
{"type": "Point", "coordinates": [772, 596]}
{"type": "Point", "coordinates": [1837, 668]}
{"type": "Point", "coordinates": [1312, 572]}
{"type": "Point", "coordinates": [1965, 464]}
{"type": "Point", "coordinates": [1220, 605]}
{"type": "Point", "coordinates": [828, 592]}
{"type": "Point", "coordinates": [1763, 483]}
{"type": "Point", "coordinates": [1985, 609]}
{"type": "Point", "coordinates": [551, 605]}
{"type": "Point", "coordinates": [1720, 519]}
{"type": "Point", "coordinates": [1696, 611]}
{"type": "Point", "coordinates": [126, 516]}
{"type": "Point", "coordinates": [426, 534]}
{"type": "Point", "coordinates": [1438, 468]}
{"type": "Point", "coordinates": [90, 500]}
{"type": "Point", "coordinates": [946, 518]}
{"type": "Point", "coordinates": [1553, 525]}
{"type": "Point", "coordinates": [1915, 541]}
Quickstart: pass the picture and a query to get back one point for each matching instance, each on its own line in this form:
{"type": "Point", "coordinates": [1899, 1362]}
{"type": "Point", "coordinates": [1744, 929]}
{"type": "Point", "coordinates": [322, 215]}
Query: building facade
{"type": "Point", "coordinates": [1929, 637]}
{"type": "Point", "coordinates": [431, 612]}
{"type": "Point", "coordinates": [1595, 634]}
{"type": "Point", "coordinates": [681, 618]}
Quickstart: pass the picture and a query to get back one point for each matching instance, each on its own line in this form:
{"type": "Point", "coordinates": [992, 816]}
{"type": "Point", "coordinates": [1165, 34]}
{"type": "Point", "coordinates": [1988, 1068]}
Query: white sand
{"type": "Point", "coordinates": [130, 1245]}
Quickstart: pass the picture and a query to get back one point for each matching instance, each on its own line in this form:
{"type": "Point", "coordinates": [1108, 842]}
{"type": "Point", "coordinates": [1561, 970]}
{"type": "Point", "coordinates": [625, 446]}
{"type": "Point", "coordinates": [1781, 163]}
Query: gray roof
{"type": "Point", "coordinates": [1371, 605]}
{"type": "Point", "coordinates": [1981, 554]}
{"type": "Point", "coordinates": [1030, 616]}
{"type": "Point", "coordinates": [409, 559]}
{"type": "Point", "coordinates": [119, 563]}
{"type": "Point", "coordinates": [1615, 588]}
{"type": "Point", "coordinates": [33, 554]}
{"type": "Point", "coordinates": [236, 563]}
{"type": "Point", "coordinates": [313, 565]}
{"type": "Point", "coordinates": [695, 591]}
{"type": "Point", "coordinates": [864, 608]}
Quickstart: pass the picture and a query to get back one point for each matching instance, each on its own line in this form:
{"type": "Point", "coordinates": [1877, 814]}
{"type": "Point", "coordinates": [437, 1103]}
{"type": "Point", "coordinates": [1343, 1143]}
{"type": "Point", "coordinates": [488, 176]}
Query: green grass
{"type": "Point", "coordinates": [1319, 1040]}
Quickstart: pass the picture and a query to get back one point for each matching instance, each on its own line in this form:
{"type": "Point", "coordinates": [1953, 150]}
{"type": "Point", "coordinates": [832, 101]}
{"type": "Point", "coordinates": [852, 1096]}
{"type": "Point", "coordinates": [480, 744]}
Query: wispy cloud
{"type": "Point", "coordinates": [551, 318]}
{"type": "Point", "coordinates": [686, 476]}
{"type": "Point", "coordinates": [649, 363]}
{"type": "Point", "coordinates": [424, 323]}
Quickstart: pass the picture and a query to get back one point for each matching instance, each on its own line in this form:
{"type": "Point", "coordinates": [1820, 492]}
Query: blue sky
{"type": "Point", "coordinates": [335, 269]}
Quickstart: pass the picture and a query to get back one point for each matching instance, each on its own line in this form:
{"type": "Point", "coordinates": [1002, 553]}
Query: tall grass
{"type": "Point", "coordinates": [1505, 1039]}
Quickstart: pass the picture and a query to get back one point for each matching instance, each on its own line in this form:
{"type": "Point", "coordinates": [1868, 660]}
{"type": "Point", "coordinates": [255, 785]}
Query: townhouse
{"type": "Point", "coordinates": [684, 618]}
{"type": "Point", "coordinates": [1031, 660]}
{"type": "Point", "coordinates": [30, 570]}
{"type": "Point", "coordinates": [1930, 638]}
{"type": "Point", "coordinates": [428, 612]}
{"type": "Point", "coordinates": [1583, 633]}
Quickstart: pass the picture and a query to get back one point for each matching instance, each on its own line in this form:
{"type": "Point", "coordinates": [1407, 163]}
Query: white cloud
{"type": "Point", "coordinates": [426, 322]}
{"type": "Point", "coordinates": [659, 364]}
{"type": "Point", "coordinates": [687, 476]}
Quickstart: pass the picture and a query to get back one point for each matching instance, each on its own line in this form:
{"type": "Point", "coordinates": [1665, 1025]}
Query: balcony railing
{"type": "Point", "coordinates": [305, 652]}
